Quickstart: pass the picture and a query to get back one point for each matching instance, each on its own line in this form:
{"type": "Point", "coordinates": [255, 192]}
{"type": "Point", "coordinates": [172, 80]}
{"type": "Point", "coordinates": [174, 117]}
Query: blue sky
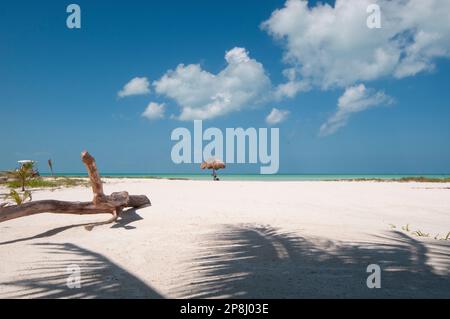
{"type": "Point", "coordinates": [59, 88]}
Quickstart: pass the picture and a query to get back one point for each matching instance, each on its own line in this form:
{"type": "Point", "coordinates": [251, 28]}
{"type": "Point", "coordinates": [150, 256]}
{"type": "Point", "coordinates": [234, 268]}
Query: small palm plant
{"type": "Point", "coordinates": [23, 174]}
{"type": "Point", "coordinates": [19, 198]}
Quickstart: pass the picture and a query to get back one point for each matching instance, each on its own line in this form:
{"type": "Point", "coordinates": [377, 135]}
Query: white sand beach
{"type": "Point", "coordinates": [250, 239]}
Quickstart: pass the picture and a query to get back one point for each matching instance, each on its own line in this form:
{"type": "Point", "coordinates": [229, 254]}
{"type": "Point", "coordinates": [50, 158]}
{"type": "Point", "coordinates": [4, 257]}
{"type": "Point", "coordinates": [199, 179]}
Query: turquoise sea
{"type": "Point", "coordinates": [258, 177]}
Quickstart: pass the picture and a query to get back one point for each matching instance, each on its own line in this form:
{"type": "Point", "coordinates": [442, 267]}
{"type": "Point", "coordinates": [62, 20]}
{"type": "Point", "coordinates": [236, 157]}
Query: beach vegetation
{"type": "Point", "coordinates": [420, 233]}
{"type": "Point", "coordinates": [40, 182]}
{"type": "Point", "coordinates": [422, 179]}
{"type": "Point", "coordinates": [408, 179]}
{"type": "Point", "coordinates": [19, 198]}
{"type": "Point", "coordinates": [22, 175]}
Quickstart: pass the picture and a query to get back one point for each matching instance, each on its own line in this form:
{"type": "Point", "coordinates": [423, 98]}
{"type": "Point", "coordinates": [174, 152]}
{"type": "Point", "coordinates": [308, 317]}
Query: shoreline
{"type": "Point", "coordinates": [426, 178]}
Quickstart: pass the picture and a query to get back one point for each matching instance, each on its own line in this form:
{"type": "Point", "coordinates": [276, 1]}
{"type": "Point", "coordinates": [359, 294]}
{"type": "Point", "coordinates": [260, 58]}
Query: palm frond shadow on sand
{"type": "Point", "coordinates": [124, 221]}
{"type": "Point", "coordinates": [100, 277]}
{"type": "Point", "coordinates": [262, 262]}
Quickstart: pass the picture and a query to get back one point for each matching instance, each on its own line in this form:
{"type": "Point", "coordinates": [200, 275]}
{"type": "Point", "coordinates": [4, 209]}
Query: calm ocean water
{"type": "Point", "coordinates": [257, 177]}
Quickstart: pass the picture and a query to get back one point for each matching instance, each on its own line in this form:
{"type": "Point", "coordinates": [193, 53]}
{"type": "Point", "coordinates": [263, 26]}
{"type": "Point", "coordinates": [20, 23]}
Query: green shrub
{"type": "Point", "coordinates": [422, 179]}
{"type": "Point", "coordinates": [49, 183]}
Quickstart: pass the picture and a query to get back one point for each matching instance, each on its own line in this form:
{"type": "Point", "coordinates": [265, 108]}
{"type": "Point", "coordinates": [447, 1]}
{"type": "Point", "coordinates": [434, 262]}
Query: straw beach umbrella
{"type": "Point", "coordinates": [214, 164]}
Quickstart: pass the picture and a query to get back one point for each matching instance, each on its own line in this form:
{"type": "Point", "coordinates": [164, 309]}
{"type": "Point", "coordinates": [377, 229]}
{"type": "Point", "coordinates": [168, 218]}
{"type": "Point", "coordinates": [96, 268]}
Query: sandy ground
{"type": "Point", "coordinates": [209, 239]}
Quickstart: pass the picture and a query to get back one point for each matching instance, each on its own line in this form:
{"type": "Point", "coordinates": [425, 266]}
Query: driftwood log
{"type": "Point", "coordinates": [101, 203]}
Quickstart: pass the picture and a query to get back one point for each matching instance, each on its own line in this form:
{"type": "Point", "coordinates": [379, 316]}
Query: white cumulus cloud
{"type": "Point", "coordinates": [243, 83]}
{"type": "Point", "coordinates": [327, 46]}
{"type": "Point", "coordinates": [355, 99]}
{"type": "Point", "coordinates": [154, 111]}
{"type": "Point", "coordinates": [277, 116]}
{"type": "Point", "coordinates": [137, 86]}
